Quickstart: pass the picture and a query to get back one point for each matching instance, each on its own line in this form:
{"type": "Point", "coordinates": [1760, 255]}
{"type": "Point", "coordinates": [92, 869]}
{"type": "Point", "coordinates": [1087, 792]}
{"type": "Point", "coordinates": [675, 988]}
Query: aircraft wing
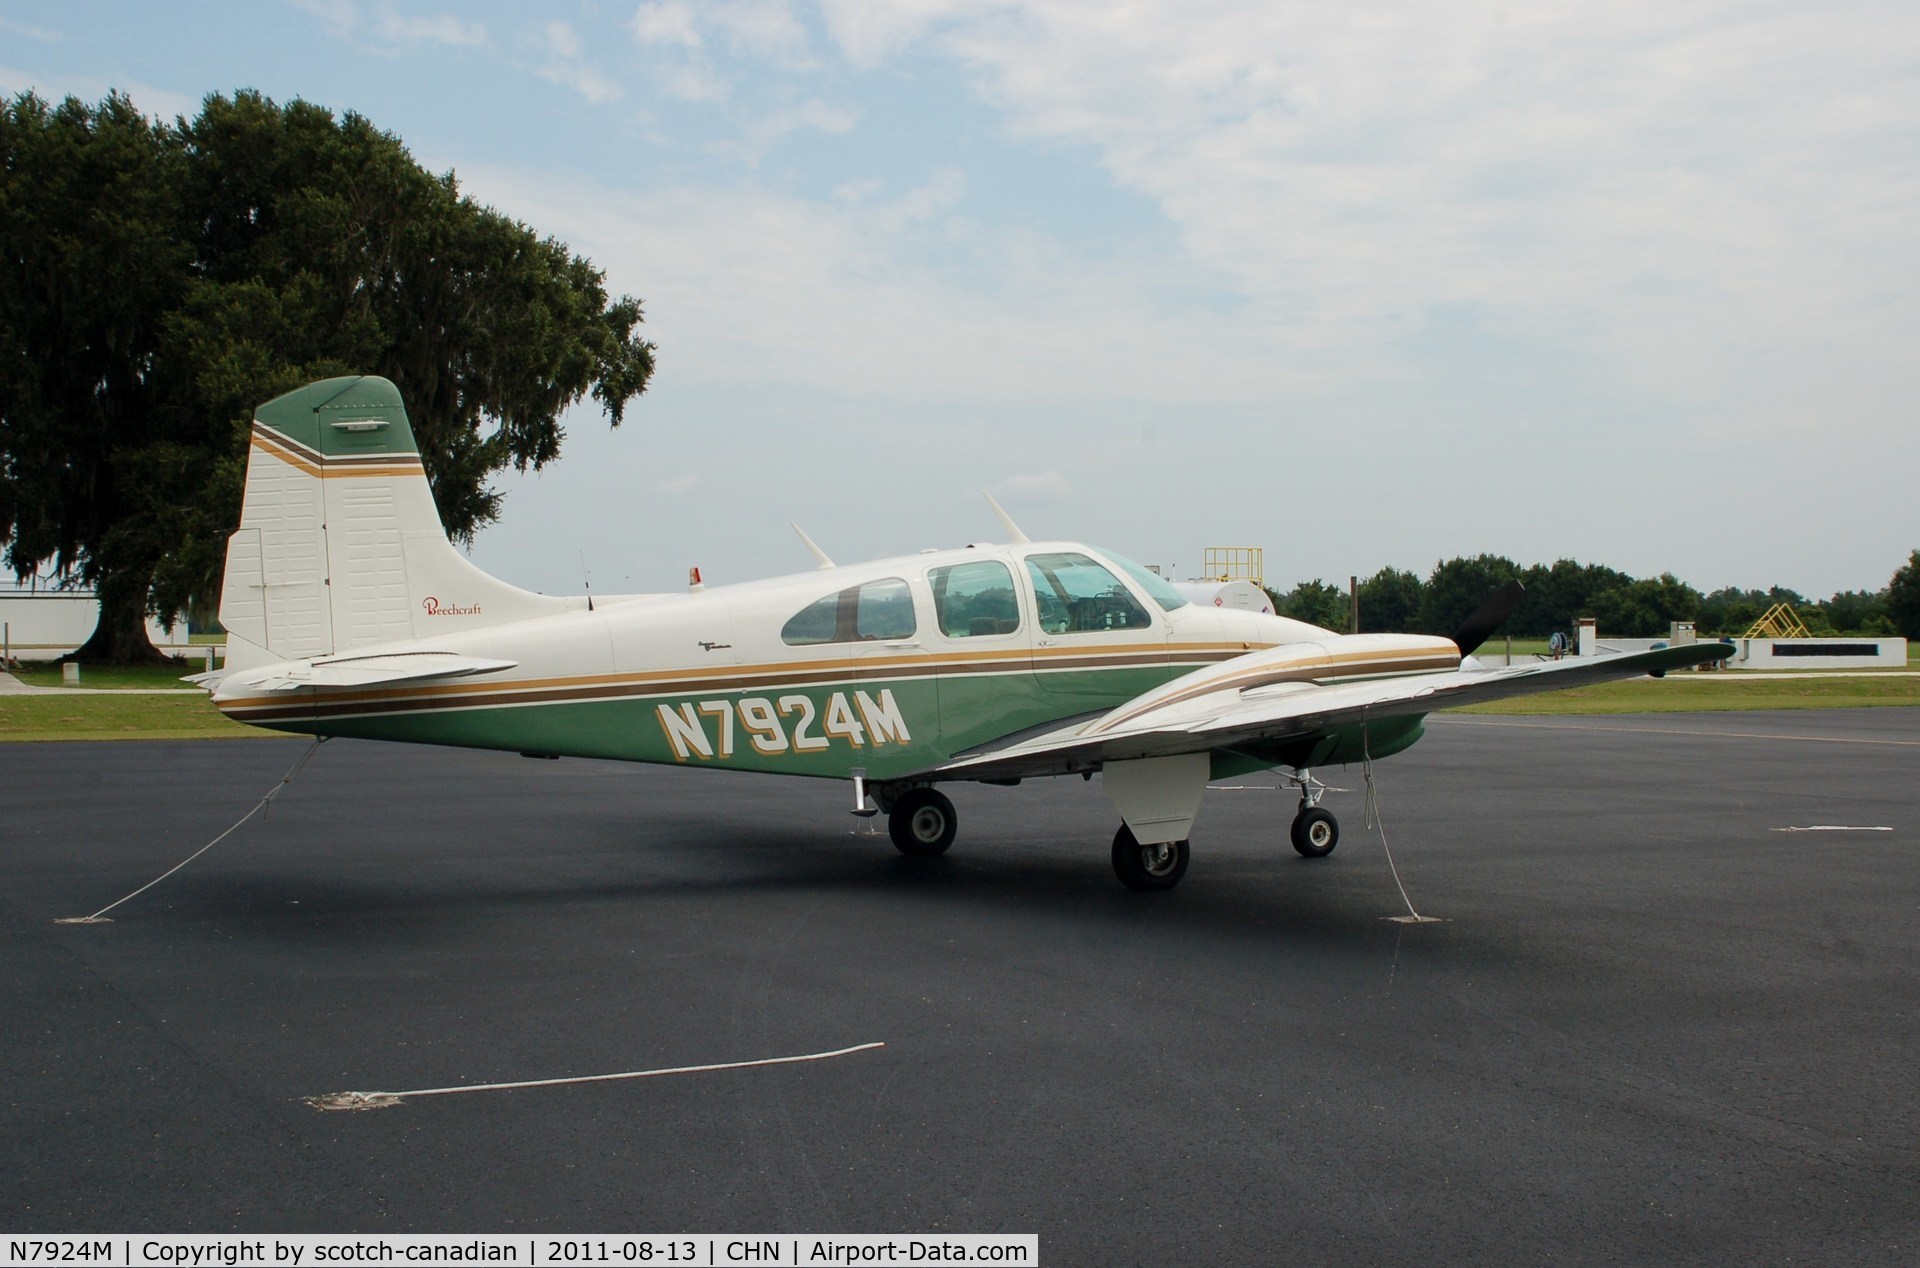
{"type": "Point", "coordinates": [356, 671]}
{"type": "Point", "coordinates": [1230, 717]}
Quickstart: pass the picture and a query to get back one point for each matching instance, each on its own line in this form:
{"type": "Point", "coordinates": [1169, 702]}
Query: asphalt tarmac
{"type": "Point", "coordinates": [1652, 1026]}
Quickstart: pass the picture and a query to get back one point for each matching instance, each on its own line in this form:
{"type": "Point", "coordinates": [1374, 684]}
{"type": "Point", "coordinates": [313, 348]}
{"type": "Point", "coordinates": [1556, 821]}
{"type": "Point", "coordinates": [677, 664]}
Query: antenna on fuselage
{"type": "Point", "coordinates": [585, 580]}
{"type": "Point", "coordinates": [819, 555]}
{"type": "Point", "coordinates": [1014, 535]}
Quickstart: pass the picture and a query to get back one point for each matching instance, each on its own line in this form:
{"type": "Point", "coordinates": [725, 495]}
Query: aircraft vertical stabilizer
{"type": "Point", "coordinates": [340, 546]}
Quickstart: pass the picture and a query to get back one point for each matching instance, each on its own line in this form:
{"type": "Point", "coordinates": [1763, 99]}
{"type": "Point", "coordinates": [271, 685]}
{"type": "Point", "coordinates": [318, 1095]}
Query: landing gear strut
{"type": "Point", "coordinates": [1148, 867]}
{"type": "Point", "coordinates": [922, 822]}
{"type": "Point", "coordinates": [1315, 831]}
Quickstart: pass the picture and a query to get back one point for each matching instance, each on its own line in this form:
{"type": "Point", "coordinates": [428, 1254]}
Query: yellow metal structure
{"type": "Point", "coordinates": [1234, 563]}
{"type": "Point", "coordinates": [1778, 621]}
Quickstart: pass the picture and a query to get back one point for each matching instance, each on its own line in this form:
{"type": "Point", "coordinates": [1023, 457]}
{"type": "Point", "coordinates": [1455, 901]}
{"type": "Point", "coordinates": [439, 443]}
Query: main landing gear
{"type": "Point", "coordinates": [1148, 867]}
{"type": "Point", "coordinates": [1315, 831]}
{"type": "Point", "coordinates": [922, 822]}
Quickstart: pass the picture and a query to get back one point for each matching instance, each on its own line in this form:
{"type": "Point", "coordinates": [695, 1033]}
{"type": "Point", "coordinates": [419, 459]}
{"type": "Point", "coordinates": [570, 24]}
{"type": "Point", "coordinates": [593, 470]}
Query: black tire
{"type": "Point", "coordinates": [1315, 833]}
{"type": "Point", "coordinates": [1148, 867]}
{"type": "Point", "coordinates": [922, 822]}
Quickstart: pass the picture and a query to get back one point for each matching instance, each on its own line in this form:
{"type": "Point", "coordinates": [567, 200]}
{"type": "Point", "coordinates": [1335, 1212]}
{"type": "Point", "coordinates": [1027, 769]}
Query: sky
{"type": "Point", "coordinates": [1360, 285]}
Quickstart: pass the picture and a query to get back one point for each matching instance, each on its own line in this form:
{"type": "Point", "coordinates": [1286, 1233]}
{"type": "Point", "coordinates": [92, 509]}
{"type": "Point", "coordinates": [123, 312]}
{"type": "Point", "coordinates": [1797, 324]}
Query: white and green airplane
{"type": "Point", "coordinates": [348, 612]}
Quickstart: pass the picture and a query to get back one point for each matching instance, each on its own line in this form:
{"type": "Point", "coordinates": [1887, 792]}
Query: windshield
{"type": "Point", "coordinates": [1074, 595]}
{"type": "Point", "coordinates": [1158, 587]}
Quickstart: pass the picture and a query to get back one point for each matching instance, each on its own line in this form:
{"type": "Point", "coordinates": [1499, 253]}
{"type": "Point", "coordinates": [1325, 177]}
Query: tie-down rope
{"type": "Point", "coordinates": [1374, 821]}
{"type": "Point", "coordinates": [100, 917]}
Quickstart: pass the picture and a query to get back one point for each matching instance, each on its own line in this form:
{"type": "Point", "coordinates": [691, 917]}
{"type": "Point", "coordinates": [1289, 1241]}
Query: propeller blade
{"type": "Point", "coordinates": [1488, 617]}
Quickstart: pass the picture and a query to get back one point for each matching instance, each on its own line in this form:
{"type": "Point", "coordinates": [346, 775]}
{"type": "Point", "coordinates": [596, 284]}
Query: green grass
{"type": "Point", "coordinates": [1724, 692]}
{"type": "Point", "coordinates": [113, 677]}
{"type": "Point", "coordinates": [115, 717]}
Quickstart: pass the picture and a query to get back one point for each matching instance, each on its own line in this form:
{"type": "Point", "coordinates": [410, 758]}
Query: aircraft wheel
{"type": "Point", "coordinates": [1148, 867]}
{"type": "Point", "coordinates": [922, 822]}
{"type": "Point", "coordinates": [1315, 833]}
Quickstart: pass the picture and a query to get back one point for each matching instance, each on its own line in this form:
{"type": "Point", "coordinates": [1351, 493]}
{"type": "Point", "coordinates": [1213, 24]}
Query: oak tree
{"type": "Point", "coordinates": [171, 277]}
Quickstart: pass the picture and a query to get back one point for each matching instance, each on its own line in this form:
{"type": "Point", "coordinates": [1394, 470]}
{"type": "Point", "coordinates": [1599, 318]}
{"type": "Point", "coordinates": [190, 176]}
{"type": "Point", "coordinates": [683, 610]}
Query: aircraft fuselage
{"type": "Point", "coordinates": [890, 667]}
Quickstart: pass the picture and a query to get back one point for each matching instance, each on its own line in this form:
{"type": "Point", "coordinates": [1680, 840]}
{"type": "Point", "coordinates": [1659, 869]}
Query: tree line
{"type": "Point", "coordinates": [159, 280]}
{"type": "Point", "coordinates": [1394, 600]}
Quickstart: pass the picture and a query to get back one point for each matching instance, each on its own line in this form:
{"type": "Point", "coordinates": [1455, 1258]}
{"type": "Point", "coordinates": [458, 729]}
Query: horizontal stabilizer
{"type": "Point", "coordinates": [366, 671]}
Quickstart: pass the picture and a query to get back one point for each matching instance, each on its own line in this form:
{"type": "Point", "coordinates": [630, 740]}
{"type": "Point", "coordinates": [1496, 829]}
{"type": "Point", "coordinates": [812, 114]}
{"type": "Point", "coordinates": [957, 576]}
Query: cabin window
{"type": "Point", "coordinates": [876, 610]}
{"type": "Point", "coordinates": [1075, 595]}
{"type": "Point", "coordinates": [814, 623]}
{"type": "Point", "coordinates": [884, 609]}
{"type": "Point", "coordinates": [973, 600]}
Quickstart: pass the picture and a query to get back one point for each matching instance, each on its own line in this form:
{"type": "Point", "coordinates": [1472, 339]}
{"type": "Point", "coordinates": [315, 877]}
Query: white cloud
{"type": "Point", "coordinates": [341, 15]}
{"type": "Point", "coordinates": [826, 118]}
{"type": "Point", "coordinates": [812, 115]}
{"type": "Point", "coordinates": [1035, 486]}
{"type": "Point", "coordinates": [694, 82]}
{"type": "Point", "coordinates": [586, 81]}
{"type": "Point", "coordinates": [689, 44]}
{"type": "Point", "coordinates": [440, 28]}
{"type": "Point", "coordinates": [1684, 192]}
{"type": "Point", "coordinates": [868, 31]}
{"type": "Point", "coordinates": [1635, 243]}
{"type": "Point", "coordinates": [665, 23]}
{"type": "Point", "coordinates": [941, 193]}
{"type": "Point", "coordinates": [679, 484]}
{"type": "Point", "coordinates": [392, 32]}
{"type": "Point", "coordinates": [562, 41]}
{"type": "Point", "coordinates": [857, 191]}
{"type": "Point", "coordinates": [565, 66]}
{"type": "Point", "coordinates": [762, 28]}
{"type": "Point", "coordinates": [752, 287]}
{"type": "Point", "coordinates": [157, 103]}
{"type": "Point", "coordinates": [26, 30]}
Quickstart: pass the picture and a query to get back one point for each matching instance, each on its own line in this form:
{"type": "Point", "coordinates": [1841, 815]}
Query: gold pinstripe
{"type": "Point", "coordinates": [766, 676]}
{"type": "Point", "coordinates": [1117, 657]}
{"type": "Point", "coordinates": [313, 463]}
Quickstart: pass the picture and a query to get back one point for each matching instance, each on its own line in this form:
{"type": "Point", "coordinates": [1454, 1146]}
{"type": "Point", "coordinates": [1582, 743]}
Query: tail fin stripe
{"type": "Point", "coordinates": [298, 455]}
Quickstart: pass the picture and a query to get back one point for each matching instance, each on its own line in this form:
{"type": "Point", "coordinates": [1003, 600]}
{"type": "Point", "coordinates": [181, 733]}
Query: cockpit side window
{"type": "Point", "coordinates": [876, 610]}
{"type": "Point", "coordinates": [974, 600]}
{"type": "Point", "coordinates": [1075, 595]}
